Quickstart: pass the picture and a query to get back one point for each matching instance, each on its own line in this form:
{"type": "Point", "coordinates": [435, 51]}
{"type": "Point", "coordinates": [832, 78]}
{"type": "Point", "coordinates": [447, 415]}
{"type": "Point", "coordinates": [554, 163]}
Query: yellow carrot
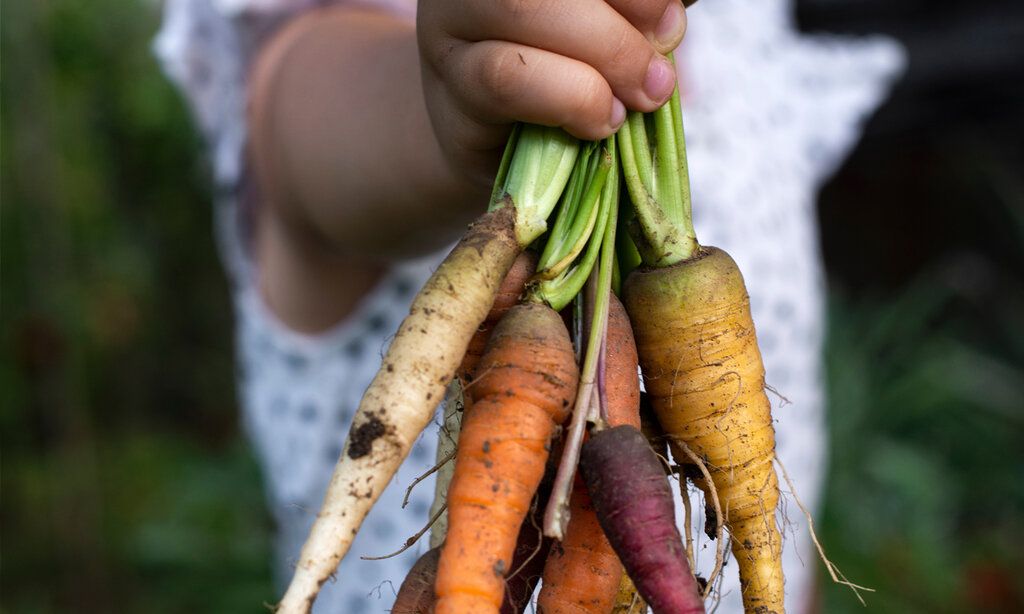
{"type": "Point", "coordinates": [704, 376]}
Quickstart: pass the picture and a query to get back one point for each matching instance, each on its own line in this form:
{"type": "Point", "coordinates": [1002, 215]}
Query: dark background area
{"type": "Point", "coordinates": [923, 236]}
{"type": "Point", "coordinates": [127, 486]}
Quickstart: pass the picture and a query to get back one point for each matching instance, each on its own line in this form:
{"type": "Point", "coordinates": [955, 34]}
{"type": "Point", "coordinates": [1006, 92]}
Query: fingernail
{"type": "Point", "coordinates": [669, 29]}
{"type": "Point", "coordinates": [618, 113]}
{"type": "Point", "coordinates": [660, 80]}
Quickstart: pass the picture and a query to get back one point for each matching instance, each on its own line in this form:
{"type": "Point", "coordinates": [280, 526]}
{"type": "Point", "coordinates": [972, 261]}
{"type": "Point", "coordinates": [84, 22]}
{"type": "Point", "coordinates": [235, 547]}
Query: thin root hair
{"type": "Point", "coordinates": [687, 521]}
{"type": "Point", "coordinates": [429, 472]}
{"type": "Point", "coordinates": [412, 540]}
{"type": "Point", "coordinates": [719, 518]}
{"type": "Point", "coordinates": [782, 397]}
{"type": "Point", "coordinates": [540, 538]}
{"type": "Point", "coordinates": [379, 589]}
{"type": "Point", "coordinates": [833, 570]}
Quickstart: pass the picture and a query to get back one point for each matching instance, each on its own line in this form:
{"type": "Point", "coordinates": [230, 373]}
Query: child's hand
{"type": "Point", "coordinates": [358, 162]}
{"type": "Point", "coordinates": [574, 63]}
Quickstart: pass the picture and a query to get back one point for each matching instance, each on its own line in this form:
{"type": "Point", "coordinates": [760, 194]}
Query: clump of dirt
{"type": "Point", "coordinates": [363, 436]}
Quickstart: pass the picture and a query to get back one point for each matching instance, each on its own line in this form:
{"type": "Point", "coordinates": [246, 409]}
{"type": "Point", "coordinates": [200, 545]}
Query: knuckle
{"type": "Point", "coordinates": [654, 9]}
{"type": "Point", "coordinates": [518, 8]}
{"type": "Point", "coordinates": [623, 52]}
{"type": "Point", "coordinates": [438, 54]}
{"type": "Point", "coordinates": [497, 77]}
{"type": "Point", "coordinates": [589, 106]}
{"type": "Point", "coordinates": [645, 11]}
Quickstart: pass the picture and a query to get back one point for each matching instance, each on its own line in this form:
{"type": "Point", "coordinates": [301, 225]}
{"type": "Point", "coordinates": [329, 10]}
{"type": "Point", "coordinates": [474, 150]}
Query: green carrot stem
{"type": "Point", "coordinates": [658, 184]}
{"type": "Point", "coordinates": [498, 191]}
{"type": "Point", "coordinates": [627, 256]}
{"type": "Point", "coordinates": [559, 292]}
{"type": "Point", "coordinates": [568, 207]}
{"type": "Point", "coordinates": [578, 234]}
{"type": "Point", "coordinates": [635, 156]}
{"type": "Point", "coordinates": [535, 177]}
{"type": "Point", "coordinates": [636, 128]}
{"type": "Point", "coordinates": [556, 515]}
{"type": "Point", "coordinates": [667, 189]}
{"type": "Point", "coordinates": [616, 277]}
{"type": "Point", "coordinates": [684, 168]}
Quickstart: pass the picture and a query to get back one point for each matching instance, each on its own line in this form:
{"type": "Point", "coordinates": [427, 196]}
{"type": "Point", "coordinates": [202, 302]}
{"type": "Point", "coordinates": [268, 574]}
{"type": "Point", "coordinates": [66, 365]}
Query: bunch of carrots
{"type": "Point", "coordinates": [555, 476]}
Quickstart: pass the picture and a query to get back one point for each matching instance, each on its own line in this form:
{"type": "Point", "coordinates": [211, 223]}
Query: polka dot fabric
{"type": "Point", "coordinates": [769, 114]}
{"type": "Point", "coordinates": [299, 394]}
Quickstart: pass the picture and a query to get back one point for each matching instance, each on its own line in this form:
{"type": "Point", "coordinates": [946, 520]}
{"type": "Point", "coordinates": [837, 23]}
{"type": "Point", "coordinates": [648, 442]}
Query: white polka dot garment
{"type": "Point", "coordinates": [769, 114]}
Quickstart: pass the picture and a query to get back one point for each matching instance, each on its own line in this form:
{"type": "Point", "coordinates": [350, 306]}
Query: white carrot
{"type": "Point", "coordinates": [428, 348]}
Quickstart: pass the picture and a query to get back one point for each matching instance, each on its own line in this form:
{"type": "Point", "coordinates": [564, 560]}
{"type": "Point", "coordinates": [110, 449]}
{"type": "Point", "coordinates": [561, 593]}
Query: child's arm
{"type": "Point", "coordinates": [361, 155]}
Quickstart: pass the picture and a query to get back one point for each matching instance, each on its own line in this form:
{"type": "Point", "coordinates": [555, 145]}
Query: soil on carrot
{"type": "Point", "coordinates": [691, 471]}
{"type": "Point", "coordinates": [500, 223]}
{"type": "Point", "coordinates": [711, 522]}
{"type": "Point", "coordinates": [364, 435]}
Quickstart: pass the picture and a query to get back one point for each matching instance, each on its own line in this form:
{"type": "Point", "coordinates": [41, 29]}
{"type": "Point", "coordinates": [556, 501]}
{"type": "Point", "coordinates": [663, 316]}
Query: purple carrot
{"type": "Point", "coordinates": [416, 595]}
{"type": "Point", "coordinates": [634, 506]}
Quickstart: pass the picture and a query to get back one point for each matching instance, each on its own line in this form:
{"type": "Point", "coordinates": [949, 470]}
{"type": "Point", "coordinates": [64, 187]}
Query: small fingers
{"type": "Point", "coordinates": [498, 81]}
{"type": "Point", "coordinates": [663, 22]}
{"type": "Point", "coordinates": [588, 31]}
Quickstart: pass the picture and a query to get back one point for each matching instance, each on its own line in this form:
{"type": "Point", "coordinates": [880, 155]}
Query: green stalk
{"type": "Point", "coordinates": [684, 169]}
{"type": "Point", "coordinates": [616, 277]}
{"type": "Point", "coordinates": [637, 168]}
{"type": "Point", "coordinates": [535, 177]}
{"type": "Point", "coordinates": [560, 290]}
{"type": "Point", "coordinates": [498, 191]}
{"type": "Point", "coordinates": [658, 184]}
{"type": "Point", "coordinates": [626, 254]}
{"type": "Point", "coordinates": [574, 239]}
{"type": "Point", "coordinates": [667, 186]}
{"type": "Point", "coordinates": [635, 131]}
{"type": "Point", "coordinates": [556, 516]}
{"type": "Point", "coordinates": [561, 238]}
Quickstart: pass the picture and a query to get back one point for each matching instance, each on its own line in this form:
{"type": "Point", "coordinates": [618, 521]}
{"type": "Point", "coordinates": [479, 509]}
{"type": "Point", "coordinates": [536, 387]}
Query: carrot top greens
{"type": "Point", "coordinates": [653, 152]}
{"type": "Point", "coordinates": [532, 175]}
{"type": "Point", "coordinates": [587, 407]}
{"type": "Point", "coordinates": [572, 247]}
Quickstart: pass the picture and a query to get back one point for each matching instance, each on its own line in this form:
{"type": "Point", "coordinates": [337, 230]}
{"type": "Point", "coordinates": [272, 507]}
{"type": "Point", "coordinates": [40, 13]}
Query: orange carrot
{"type": "Point", "coordinates": [582, 573]}
{"type": "Point", "coordinates": [622, 379]}
{"type": "Point", "coordinates": [532, 546]}
{"type": "Point", "coordinates": [528, 379]}
{"type": "Point", "coordinates": [458, 398]}
{"type": "Point", "coordinates": [509, 291]}
{"type": "Point", "coordinates": [527, 562]}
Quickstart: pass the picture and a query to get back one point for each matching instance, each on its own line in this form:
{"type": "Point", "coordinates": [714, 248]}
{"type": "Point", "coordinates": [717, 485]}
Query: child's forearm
{"type": "Point", "coordinates": [341, 141]}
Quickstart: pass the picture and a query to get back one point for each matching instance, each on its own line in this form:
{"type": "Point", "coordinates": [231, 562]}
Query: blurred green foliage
{"type": "Point", "coordinates": [127, 487]}
{"type": "Point", "coordinates": [925, 365]}
{"type": "Point", "coordinates": [925, 496]}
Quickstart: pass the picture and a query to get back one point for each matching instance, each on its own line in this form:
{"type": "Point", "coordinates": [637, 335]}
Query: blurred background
{"type": "Point", "coordinates": [127, 486]}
